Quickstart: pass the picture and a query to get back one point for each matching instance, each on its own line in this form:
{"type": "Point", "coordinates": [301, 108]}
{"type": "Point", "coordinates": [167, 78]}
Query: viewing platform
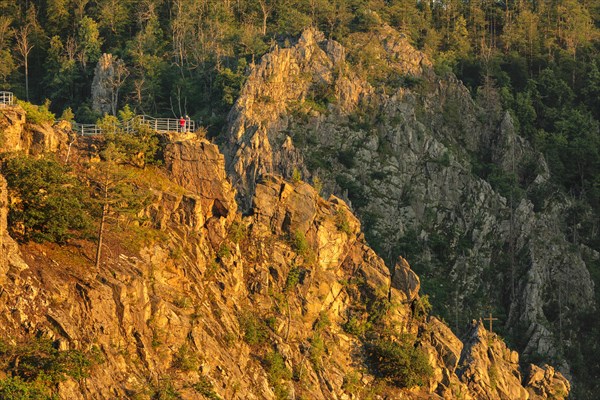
{"type": "Point", "coordinates": [160, 125]}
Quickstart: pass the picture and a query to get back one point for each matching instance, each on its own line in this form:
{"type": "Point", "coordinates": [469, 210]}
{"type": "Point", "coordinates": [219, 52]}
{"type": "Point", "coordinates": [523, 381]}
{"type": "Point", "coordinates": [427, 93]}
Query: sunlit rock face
{"type": "Point", "coordinates": [427, 169]}
{"type": "Point", "coordinates": [213, 295]}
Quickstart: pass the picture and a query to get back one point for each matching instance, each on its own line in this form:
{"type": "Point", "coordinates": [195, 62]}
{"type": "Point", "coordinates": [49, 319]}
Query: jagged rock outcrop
{"type": "Point", "coordinates": [20, 136]}
{"type": "Point", "coordinates": [490, 370]}
{"type": "Point", "coordinates": [290, 75]}
{"type": "Point", "coordinates": [488, 367]}
{"type": "Point", "coordinates": [427, 168]}
{"type": "Point", "coordinates": [109, 76]}
{"type": "Point", "coordinates": [10, 256]}
{"type": "Point", "coordinates": [545, 383]}
{"type": "Point", "coordinates": [221, 300]}
{"type": "Point", "coordinates": [284, 75]}
{"type": "Point", "coordinates": [196, 165]}
{"type": "Point", "coordinates": [406, 280]}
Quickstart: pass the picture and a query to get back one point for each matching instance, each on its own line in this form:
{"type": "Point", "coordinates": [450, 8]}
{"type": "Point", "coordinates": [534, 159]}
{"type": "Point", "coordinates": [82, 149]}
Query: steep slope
{"type": "Point", "coordinates": [435, 176]}
{"type": "Point", "coordinates": [285, 302]}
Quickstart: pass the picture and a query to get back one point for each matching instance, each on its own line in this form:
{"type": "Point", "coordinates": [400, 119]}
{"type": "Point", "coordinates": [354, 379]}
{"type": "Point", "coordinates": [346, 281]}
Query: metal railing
{"type": "Point", "coordinates": [160, 125]}
{"type": "Point", "coordinates": [86, 129]}
{"type": "Point", "coordinates": [6, 99]}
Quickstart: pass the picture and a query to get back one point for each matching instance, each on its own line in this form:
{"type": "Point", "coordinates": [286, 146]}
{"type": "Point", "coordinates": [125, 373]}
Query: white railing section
{"type": "Point", "coordinates": [6, 99]}
{"type": "Point", "coordinates": [160, 125]}
{"type": "Point", "coordinates": [86, 129]}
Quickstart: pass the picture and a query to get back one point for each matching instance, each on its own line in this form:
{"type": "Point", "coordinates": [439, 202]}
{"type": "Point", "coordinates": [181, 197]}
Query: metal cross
{"type": "Point", "coordinates": [491, 319]}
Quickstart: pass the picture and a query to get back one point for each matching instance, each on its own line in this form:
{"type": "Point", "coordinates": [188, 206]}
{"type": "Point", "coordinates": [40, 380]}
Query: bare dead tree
{"type": "Point", "coordinates": [115, 82]}
{"type": "Point", "coordinates": [24, 47]}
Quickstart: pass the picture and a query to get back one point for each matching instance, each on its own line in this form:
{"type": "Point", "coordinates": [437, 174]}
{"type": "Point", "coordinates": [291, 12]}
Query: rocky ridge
{"type": "Point", "coordinates": [207, 310]}
{"type": "Point", "coordinates": [19, 135]}
{"type": "Point", "coordinates": [408, 156]}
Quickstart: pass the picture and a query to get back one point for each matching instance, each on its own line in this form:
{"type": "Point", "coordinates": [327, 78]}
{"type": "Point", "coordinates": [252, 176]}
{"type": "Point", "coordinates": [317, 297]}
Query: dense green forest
{"type": "Point", "coordinates": [190, 57]}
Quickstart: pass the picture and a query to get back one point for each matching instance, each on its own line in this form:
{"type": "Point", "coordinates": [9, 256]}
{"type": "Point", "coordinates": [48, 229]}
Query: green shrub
{"type": "Point", "coordinates": [292, 279]}
{"type": "Point", "coordinates": [271, 323]}
{"type": "Point", "coordinates": [356, 326]}
{"type": "Point", "coordinates": [205, 388]}
{"type": "Point", "coordinates": [315, 105]}
{"type": "Point", "coordinates": [378, 175]}
{"type": "Point", "coordinates": [400, 362]}
{"type": "Point", "coordinates": [378, 310]}
{"type": "Point", "coordinates": [211, 270]}
{"type": "Point", "coordinates": [138, 146]}
{"type": "Point", "coordinates": [224, 251]}
{"type": "Point", "coordinates": [444, 159]}
{"type": "Point", "coordinates": [156, 338]}
{"type": "Point", "coordinates": [422, 307]}
{"type": "Point", "coordinates": [17, 389]}
{"type": "Point", "coordinates": [346, 158]}
{"type": "Point", "coordinates": [255, 331]}
{"type": "Point", "coordinates": [35, 365]}
{"type": "Point", "coordinates": [317, 350]}
{"type": "Point", "coordinates": [322, 322]}
{"type": "Point", "coordinates": [47, 203]}
{"type": "Point", "coordinates": [183, 301]}
{"type": "Point", "coordinates": [185, 359]}
{"type": "Point", "coordinates": [341, 221]}
{"type": "Point", "coordinates": [494, 376]}
{"type": "Point", "coordinates": [67, 115]}
{"type": "Point", "coordinates": [410, 81]}
{"type": "Point", "coordinates": [277, 372]}
{"type": "Point", "coordinates": [276, 367]}
{"type": "Point", "coordinates": [299, 243]}
{"type": "Point", "coordinates": [296, 175]}
{"type": "Point", "coordinates": [352, 383]}
{"type": "Point", "coordinates": [165, 391]}
{"type": "Point", "coordinates": [37, 114]}
{"type": "Point", "coordinates": [318, 184]}
{"type": "Point", "coordinates": [356, 192]}
{"type": "Point", "coordinates": [237, 232]}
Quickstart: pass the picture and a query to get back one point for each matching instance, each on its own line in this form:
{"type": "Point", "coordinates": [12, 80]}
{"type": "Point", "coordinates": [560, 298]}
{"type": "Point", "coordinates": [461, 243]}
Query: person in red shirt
{"type": "Point", "coordinates": [182, 124]}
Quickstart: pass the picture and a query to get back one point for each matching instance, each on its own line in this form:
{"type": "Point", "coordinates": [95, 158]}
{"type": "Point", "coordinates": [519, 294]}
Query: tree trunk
{"type": "Point", "coordinates": [102, 222]}
{"type": "Point", "coordinates": [27, 77]}
{"type": "Point", "coordinates": [264, 7]}
{"type": "Point", "coordinates": [101, 234]}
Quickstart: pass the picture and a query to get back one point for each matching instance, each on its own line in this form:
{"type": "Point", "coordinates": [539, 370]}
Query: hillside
{"type": "Point", "coordinates": [435, 176]}
{"type": "Point", "coordinates": [459, 138]}
{"type": "Point", "coordinates": [193, 299]}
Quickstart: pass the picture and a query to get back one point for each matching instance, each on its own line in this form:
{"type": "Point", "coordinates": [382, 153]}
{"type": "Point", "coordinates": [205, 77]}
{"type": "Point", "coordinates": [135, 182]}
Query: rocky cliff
{"type": "Point", "coordinates": [20, 135]}
{"type": "Point", "coordinates": [286, 301]}
{"type": "Point", "coordinates": [436, 176]}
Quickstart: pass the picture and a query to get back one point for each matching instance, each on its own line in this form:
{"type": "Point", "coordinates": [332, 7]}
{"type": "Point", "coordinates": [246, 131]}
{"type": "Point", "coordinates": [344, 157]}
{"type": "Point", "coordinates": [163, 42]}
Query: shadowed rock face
{"type": "Point", "coordinates": [407, 159]}
{"type": "Point", "coordinates": [180, 308]}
